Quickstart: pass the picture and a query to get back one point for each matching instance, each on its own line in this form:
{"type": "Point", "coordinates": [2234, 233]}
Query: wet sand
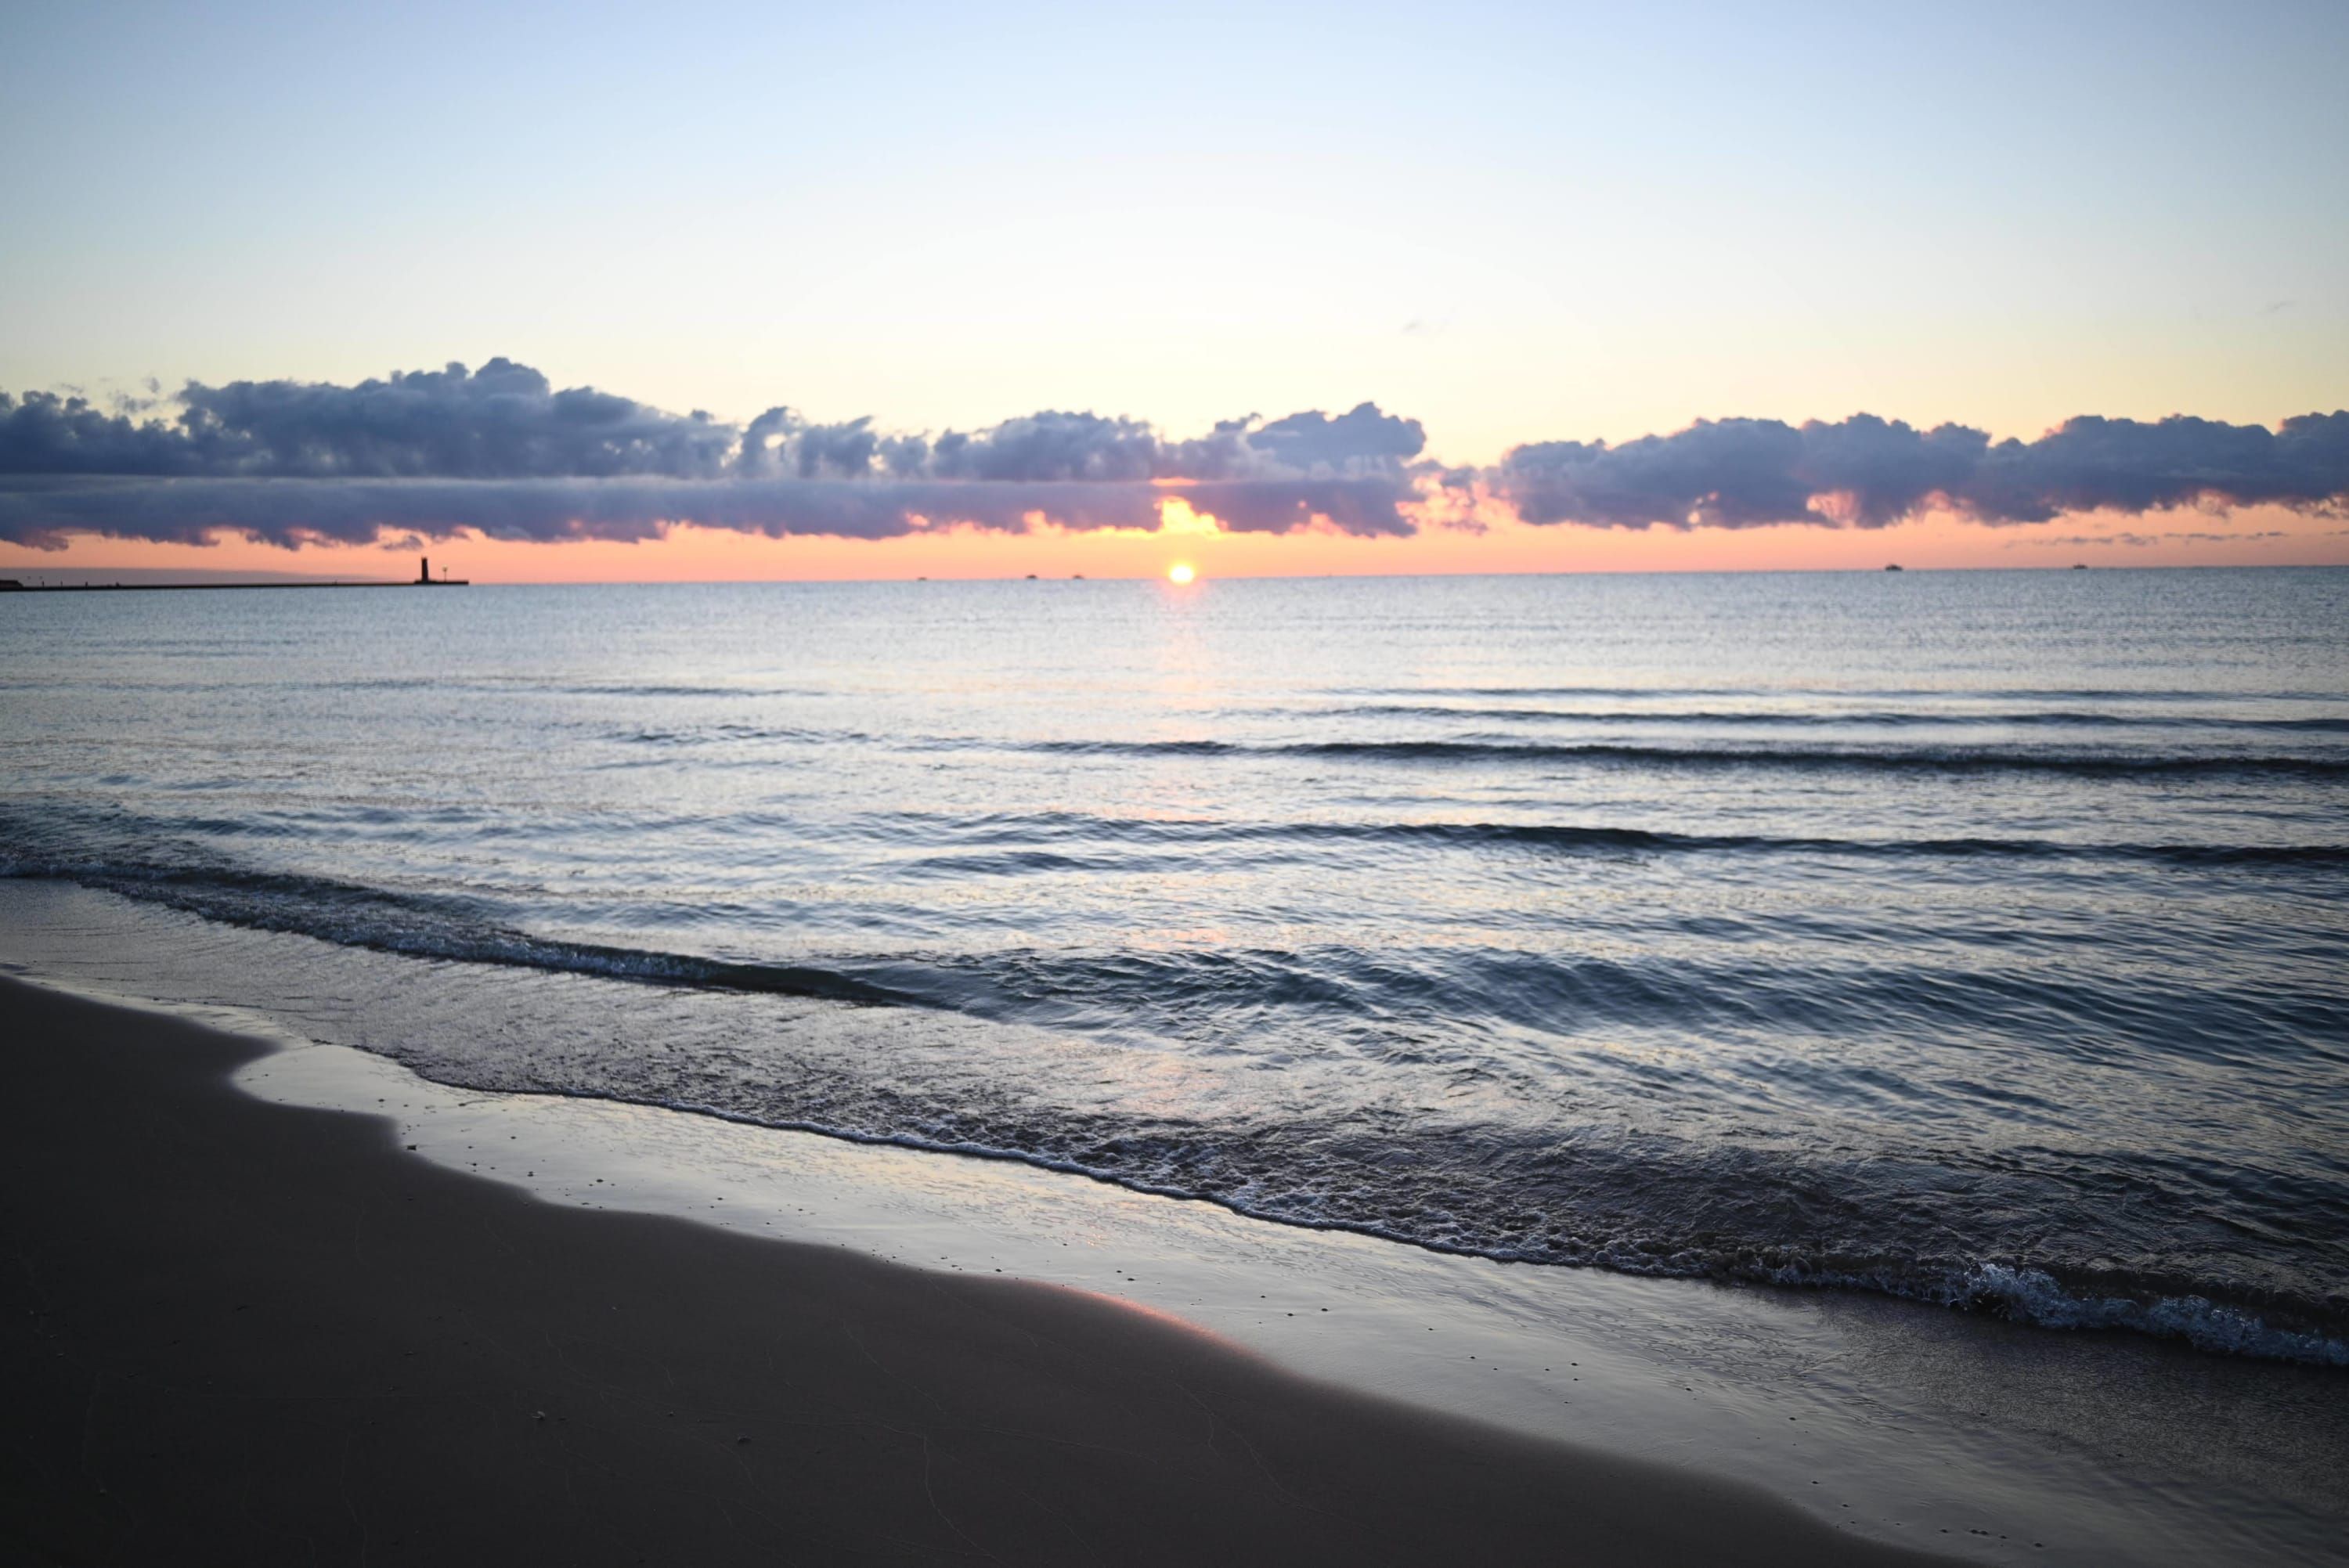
{"type": "Point", "coordinates": [241, 1332]}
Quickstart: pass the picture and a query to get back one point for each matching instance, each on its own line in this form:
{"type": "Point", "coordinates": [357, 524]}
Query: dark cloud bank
{"type": "Point", "coordinates": [1867, 473]}
{"type": "Point", "coordinates": [501, 450]}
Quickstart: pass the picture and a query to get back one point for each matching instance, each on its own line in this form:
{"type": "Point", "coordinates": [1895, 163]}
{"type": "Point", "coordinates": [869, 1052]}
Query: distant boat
{"type": "Point", "coordinates": [2079, 566]}
{"type": "Point", "coordinates": [1893, 567]}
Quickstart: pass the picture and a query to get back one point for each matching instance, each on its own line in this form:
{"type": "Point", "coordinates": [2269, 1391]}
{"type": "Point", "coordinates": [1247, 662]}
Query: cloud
{"type": "Point", "coordinates": [1357, 506]}
{"type": "Point", "coordinates": [499, 449]}
{"type": "Point", "coordinates": [1359, 441]}
{"type": "Point", "coordinates": [1868, 472]}
{"type": "Point", "coordinates": [299, 511]}
{"type": "Point", "coordinates": [1060, 447]}
{"type": "Point", "coordinates": [502, 421]}
{"type": "Point", "coordinates": [1053, 447]}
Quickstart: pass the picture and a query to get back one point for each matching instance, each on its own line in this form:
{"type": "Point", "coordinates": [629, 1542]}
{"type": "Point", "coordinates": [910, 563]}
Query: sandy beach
{"type": "Point", "coordinates": [244, 1333]}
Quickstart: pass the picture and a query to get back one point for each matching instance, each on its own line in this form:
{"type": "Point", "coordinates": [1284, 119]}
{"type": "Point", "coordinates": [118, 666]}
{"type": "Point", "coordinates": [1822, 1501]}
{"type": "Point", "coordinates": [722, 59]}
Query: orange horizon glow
{"type": "Point", "coordinates": [2269, 536]}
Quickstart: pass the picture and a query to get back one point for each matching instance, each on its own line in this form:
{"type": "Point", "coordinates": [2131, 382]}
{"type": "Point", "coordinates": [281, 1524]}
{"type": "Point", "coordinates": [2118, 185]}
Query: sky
{"type": "Point", "coordinates": [1529, 238]}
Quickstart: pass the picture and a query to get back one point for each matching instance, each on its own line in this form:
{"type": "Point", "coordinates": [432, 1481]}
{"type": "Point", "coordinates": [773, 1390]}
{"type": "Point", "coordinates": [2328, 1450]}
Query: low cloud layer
{"type": "Point", "coordinates": [1867, 472]}
{"type": "Point", "coordinates": [499, 450]}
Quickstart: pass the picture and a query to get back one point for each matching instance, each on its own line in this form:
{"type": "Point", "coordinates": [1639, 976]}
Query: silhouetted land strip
{"type": "Point", "coordinates": [423, 579]}
{"type": "Point", "coordinates": [239, 1332]}
{"type": "Point", "coordinates": [10, 585]}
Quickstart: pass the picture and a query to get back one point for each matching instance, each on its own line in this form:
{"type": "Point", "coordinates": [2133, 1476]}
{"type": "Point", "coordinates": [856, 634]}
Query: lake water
{"type": "Point", "coordinates": [1973, 937]}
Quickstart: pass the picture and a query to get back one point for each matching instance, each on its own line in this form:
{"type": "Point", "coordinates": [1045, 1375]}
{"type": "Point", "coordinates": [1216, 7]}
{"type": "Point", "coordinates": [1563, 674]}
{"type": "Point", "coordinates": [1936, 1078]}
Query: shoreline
{"type": "Point", "coordinates": [1894, 1421]}
{"type": "Point", "coordinates": [246, 1330]}
{"type": "Point", "coordinates": [2171, 1311]}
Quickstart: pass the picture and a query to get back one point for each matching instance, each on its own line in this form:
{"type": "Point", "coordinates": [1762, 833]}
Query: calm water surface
{"type": "Point", "coordinates": [1978, 937]}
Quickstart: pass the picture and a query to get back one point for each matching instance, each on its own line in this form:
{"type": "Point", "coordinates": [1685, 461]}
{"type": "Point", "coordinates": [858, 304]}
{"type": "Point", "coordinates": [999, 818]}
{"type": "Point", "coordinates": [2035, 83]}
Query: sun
{"type": "Point", "coordinates": [1182, 572]}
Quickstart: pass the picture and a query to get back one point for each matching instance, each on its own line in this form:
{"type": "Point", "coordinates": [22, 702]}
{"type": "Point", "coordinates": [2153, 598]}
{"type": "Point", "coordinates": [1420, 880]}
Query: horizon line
{"type": "Point", "coordinates": [86, 575]}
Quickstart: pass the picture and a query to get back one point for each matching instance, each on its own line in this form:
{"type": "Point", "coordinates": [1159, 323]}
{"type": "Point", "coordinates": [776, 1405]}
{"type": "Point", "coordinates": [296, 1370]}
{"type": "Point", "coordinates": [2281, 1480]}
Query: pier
{"type": "Point", "coordinates": [423, 579]}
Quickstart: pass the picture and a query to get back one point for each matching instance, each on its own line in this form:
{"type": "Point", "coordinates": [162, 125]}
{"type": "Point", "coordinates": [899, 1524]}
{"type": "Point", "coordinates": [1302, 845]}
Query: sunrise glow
{"type": "Point", "coordinates": [1181, 573]}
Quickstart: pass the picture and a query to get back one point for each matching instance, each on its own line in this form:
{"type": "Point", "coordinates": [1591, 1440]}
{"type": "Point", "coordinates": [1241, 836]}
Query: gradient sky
{"type": "Point", "coordinates": [1513, 223]}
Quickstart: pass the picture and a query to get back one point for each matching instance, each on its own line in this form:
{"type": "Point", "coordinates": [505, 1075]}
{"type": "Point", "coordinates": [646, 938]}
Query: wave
{"type": "Point", "coordinates": [723, 734]}
{"type": "Point", "coordinates": [2016, 1292]}
{"type": "Point", "coordinates": [1908, 759]}
{"type": "Point", "coordinates": [492, 686]}
{"type": "Point", "coordinates": [1225, 996]}
{"type": "Point", "coordinates": [2110, 762]}
{"type": "Point", "coordinates": [1642, 840]}
{"type": "Point", "coordinates": [1046, 841]}
{"type": "Point", "coordinates": [1871, 719]}
{"type": "Point", "coordinates": [436, 925]}
{"type": "Point", "coordinates": [1212, 991]}
{"type": "Point", "coordinates": [1846, 694]}
{"type": "Point", "coordinates": [1650, 1206]}
{"type": "Point", "coordinates": [1027, 859]}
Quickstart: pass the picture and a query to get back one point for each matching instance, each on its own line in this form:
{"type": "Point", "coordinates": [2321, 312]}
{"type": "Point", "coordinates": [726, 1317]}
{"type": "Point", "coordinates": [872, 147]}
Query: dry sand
{"type": "Point", "coordinates": [243, 1333]}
